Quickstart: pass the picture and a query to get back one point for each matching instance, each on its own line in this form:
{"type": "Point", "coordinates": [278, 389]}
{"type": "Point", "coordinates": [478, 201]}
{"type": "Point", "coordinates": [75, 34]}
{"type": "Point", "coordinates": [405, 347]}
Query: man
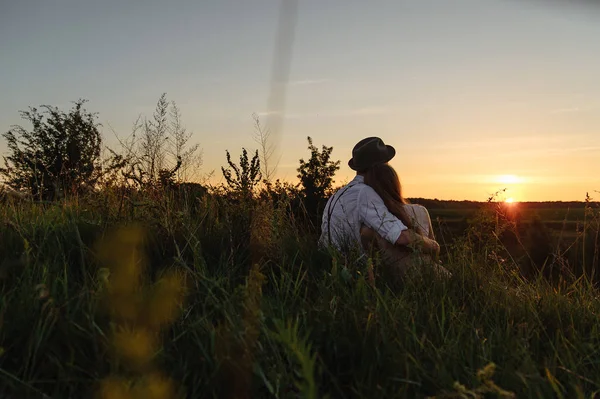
{"type": "Point", "coordinates": [357, 205]}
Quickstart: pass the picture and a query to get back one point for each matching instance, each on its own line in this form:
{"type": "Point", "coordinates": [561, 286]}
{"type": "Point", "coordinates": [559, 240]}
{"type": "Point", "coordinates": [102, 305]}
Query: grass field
{"type": "Point", "coordinates": [561, 220]}
{"type": "Point", "coordinates": [526, 213]}
{"type": "Point", "coordinates": [234, 300]}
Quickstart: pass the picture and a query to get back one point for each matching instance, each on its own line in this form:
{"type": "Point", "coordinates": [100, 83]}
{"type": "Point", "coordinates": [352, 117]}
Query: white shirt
{"type": "Point", "coordinates": [354, 205]}
{"type": "Point", "coordinates": [419, 217]}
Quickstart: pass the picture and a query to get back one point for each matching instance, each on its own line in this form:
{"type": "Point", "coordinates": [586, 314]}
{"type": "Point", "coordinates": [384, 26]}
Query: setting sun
{"type": "Point", "coordinates": [509, 201]}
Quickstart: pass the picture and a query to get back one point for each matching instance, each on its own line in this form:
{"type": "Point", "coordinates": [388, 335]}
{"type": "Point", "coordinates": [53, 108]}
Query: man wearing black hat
{"type": "Point", "coordinates": [357, 205]}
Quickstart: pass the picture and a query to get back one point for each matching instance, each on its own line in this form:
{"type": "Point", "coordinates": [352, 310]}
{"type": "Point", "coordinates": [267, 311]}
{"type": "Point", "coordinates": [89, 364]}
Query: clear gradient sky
{"type": "Point", "coordinates": [476, 95]}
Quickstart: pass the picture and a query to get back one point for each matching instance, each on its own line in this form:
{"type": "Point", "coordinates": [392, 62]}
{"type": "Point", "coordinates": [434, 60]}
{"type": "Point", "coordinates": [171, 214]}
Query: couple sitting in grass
{"type": "Point", "coordinates": [370, 214]}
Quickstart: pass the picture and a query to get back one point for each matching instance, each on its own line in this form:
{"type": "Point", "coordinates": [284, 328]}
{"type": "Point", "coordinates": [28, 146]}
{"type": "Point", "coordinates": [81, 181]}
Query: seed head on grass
{"type": "Point", "coordinates": [115, 388]}
{"type": "Point", "coordinates": [122, 255]}
{"type": "Point", "coordinates": [140, 312]}
{"type": "Point", "coordinates": [136, 347]}
{"type": "Point", "coordinates": [154, 386]}
{"type": "Point", "coordinates": [162, 308]}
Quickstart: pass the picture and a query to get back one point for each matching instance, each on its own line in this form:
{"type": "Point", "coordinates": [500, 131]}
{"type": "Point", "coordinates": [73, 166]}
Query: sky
{"type": "Point", "coordinates": [475, 95]}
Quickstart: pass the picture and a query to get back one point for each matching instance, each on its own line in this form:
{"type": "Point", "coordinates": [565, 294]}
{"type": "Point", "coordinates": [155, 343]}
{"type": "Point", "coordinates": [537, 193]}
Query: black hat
{"type": "Point", "coordinates": [370, 151]}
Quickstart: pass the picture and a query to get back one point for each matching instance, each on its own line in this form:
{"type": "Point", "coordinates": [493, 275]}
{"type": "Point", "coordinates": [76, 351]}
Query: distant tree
{"type": "Point", "coordinates": [316, 177]}
{"type": "Point", "coordinates": [278, 192]}
{"type": "Point", "coordinates": [61, 153]}
{"type": "Point", "coordinates": [243, 178]}
{"type": "Point", "coordinates": [262, 135]}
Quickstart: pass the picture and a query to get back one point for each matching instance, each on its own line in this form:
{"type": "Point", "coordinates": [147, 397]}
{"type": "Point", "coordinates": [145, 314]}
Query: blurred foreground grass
{"type": "Point", "coordinates": [236, 301]}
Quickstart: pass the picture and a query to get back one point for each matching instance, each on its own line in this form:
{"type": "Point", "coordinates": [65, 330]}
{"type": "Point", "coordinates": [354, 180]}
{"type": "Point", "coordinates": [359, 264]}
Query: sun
{"type": "Point", "coordinates": [509, 200]}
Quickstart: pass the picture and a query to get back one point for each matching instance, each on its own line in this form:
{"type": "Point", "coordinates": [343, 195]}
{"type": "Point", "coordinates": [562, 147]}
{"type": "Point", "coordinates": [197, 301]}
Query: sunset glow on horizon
{"type": "Point", "coordinates": [509, 179]}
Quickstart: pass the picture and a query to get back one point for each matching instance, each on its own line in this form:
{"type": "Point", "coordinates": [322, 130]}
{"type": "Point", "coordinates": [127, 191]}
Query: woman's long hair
{"type": "Point", "coordinates": [384, 180]}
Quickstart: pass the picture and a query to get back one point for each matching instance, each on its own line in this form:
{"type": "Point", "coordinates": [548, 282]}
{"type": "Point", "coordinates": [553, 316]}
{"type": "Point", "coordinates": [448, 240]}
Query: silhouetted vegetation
{"type": "Point", "coordinates": [61, 154]}
{"type": "Point", "coordinates": [316, 178]}
{"type": "Point", "coordinates": [243, 178]}
{"type": "Point", "coordinates": [158, 152]}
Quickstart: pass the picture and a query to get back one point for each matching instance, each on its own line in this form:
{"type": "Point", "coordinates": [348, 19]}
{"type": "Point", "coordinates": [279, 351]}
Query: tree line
{"type": "Point", "coordinates": [62, 154]}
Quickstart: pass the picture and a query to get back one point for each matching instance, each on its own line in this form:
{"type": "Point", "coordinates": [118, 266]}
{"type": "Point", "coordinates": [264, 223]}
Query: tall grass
{"type": "Point", "coordinates": [212, 298]}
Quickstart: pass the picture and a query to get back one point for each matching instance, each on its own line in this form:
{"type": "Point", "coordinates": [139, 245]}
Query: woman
{"type": "Point", "coordinates": [384, 180]}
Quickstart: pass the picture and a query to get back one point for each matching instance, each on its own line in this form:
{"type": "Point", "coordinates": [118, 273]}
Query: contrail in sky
{"type": "Point", "coordinates": [280, 72]}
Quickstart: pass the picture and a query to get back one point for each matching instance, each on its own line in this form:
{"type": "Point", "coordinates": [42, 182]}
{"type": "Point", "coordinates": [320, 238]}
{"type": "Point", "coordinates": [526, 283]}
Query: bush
{"type": "Point", "coordinates": [60, 155]}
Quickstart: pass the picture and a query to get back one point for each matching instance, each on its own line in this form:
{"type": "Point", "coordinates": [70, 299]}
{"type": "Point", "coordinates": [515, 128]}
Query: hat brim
{"type": "Point", "coordinates": [391, 152]}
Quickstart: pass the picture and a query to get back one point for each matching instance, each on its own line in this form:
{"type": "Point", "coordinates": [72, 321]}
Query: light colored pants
{"type": "Point", "coordinates": [400, 261]}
